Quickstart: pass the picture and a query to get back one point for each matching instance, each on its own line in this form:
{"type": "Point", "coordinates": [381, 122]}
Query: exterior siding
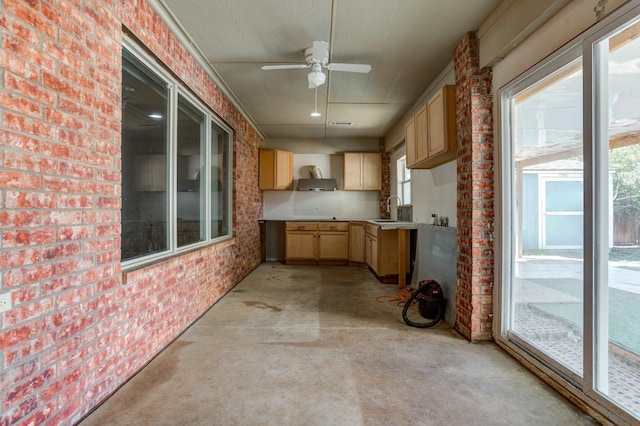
{"type": "Point", "coordinates": [79, 326]}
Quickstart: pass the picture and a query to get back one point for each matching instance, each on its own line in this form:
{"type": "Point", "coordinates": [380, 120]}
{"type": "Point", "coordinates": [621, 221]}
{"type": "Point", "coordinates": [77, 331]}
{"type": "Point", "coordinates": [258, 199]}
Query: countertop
{"type": "Point", "coordinates": [393, 224]}
{"type": "Point", "coordinates": [382, 223]}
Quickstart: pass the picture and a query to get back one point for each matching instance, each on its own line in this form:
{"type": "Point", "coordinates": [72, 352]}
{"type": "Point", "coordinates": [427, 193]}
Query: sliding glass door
{"type": "Point", "coordinates": [571, 233]}
{"type": "Point", "coordinates": [616, 123]}
{"type": "Point", "coordinates": [546, 257]}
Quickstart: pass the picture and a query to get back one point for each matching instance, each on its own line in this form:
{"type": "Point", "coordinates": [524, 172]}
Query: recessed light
{"type": "Point", "coordinates": [315, 114]}
{"type": "Point", "coordinates": [155, 115]}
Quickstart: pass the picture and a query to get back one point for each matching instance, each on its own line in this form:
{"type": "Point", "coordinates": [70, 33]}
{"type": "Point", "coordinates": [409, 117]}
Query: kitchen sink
{"type": "Point", "coordinates": [384, 220]}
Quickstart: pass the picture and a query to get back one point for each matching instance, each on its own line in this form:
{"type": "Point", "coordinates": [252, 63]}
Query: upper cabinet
{"type": "Point", "coordinates": [276, 170]}
{"type": "Point", "coordinates": [362, 171]}
{"type": "Point", "coordinates": [430, 136]}
{"type": "Point", "coordinates": [150, 172]}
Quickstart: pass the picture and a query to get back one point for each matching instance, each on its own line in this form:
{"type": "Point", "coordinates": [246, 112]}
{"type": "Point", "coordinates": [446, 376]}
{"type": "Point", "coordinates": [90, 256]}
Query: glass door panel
{"type": "Point", "coordinates": [546, 259]}
{"type": "Point", "coordinates": [617, 286]}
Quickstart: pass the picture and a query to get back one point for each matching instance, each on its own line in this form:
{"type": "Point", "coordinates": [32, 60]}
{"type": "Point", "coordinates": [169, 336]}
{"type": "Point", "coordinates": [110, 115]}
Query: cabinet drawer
{"type": "Point", "coordinates": [373, 229]}
{"type": "Point", "coordinates": [301, 226]}
{"type": "Point", "coordinates": [333, 226]}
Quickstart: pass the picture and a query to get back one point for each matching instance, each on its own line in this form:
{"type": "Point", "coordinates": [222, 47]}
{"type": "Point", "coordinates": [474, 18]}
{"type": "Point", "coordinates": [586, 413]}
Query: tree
{"type": "Point", "coordinates": [625, 162]}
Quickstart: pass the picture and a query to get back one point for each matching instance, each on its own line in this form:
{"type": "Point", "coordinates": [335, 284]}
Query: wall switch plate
{"type": "Point", "coordinates": [5, 301]}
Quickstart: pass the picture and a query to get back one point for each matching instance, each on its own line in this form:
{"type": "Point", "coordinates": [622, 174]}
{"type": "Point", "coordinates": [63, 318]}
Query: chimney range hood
{"type": "Point", "coordinates": [317, 185]}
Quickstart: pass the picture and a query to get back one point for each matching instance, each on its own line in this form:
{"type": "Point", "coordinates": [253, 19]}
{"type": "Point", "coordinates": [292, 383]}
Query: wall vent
{"type": "Point", "coordinates": [341, 123]}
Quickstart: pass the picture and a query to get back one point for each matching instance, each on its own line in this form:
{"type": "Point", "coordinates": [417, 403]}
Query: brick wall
{"type": "Point", "coordinates": [79, 327]}
{"type": "Point", "coordinates": [386, 185]}
{"type": "Point", "coordinates": [474, 103]}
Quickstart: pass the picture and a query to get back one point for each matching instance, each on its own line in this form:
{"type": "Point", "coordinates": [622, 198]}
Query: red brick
{"type": "Point", "coordinates": [20, 334]}
{"type": "Point", "coordinates": [475, 189]}
{"type": "Point", "coordinates": [11, 219]}
{"type": "Point", "coordinates": [30, 89]}
{"type": "Point", "coordinates": [24, 389]}
{"type": "Point", "coordinates": [26, 237]}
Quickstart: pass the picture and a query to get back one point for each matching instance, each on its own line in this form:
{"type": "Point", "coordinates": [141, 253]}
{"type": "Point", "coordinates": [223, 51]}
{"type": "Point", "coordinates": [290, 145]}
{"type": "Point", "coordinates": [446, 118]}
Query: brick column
{"type": "Point", "coordinates": [386, 185]}
{"type": "Point", "coordinates": [475, 216]}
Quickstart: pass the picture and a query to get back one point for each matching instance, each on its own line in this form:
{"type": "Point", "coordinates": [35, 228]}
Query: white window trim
{"type": "Point", "coordinates": [176, 88]}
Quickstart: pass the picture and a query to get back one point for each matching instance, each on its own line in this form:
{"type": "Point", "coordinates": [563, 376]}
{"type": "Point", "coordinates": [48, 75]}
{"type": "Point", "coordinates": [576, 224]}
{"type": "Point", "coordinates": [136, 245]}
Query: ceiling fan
{"type": "Point", "coordinates": [317, 58]}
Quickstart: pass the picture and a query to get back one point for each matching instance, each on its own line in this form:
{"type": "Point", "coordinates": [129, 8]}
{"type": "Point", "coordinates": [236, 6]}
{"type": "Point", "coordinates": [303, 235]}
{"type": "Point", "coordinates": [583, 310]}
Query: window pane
{"type": "Point", "coordinates": [144, 161]}
{"type": "Point", "coordinates": [618, 288]}
{"type": "Point", "coordinates": [562, 196]}
{"type": "Point", "coordinates": [190, 165]}
{"type": "Point", "coordinates": [220, 172]}
{"type": "Point", "coordinates": [406, 192]}
{"type": "Point", "coordinates": [404, 180]}
{"type": "Point", "coordinates": [546, 283]}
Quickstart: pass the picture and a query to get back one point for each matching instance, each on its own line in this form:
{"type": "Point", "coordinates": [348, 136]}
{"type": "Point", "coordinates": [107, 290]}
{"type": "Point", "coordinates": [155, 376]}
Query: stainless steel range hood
{"type": "Point", "coordinates": [317, 185]}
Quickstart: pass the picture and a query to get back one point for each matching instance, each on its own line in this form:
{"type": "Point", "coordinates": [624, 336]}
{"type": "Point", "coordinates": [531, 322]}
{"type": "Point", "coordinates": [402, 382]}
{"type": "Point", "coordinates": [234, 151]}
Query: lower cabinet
{"type": "Point", "coordinates": [317, 243]}
{"type": "Point", "coordinates": [381, 252]}
{"type": "Point", "coordinates": [357, 243]}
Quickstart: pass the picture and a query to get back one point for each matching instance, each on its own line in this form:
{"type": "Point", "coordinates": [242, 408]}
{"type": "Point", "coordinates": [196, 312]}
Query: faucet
{"type": "Point", "coordinates": [389, 201]}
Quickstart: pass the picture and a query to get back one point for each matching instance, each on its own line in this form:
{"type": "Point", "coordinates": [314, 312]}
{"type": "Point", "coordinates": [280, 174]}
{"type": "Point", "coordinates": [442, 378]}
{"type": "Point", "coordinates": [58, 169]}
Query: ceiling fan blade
{"type": "Point", "coordinates": [285, 67]}
{"type": "Point", "coordinates": [361, 68]}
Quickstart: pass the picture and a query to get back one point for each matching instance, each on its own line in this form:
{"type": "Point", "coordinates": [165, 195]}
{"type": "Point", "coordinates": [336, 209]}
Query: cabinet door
{"type": "Point", "coordinates": [410, 142]}
{"type": "Point", "coordinates": [422, 148]}
{"type": "Point", "coordinates": [301, 245]}
{"type": "Point", "coordinates": [374, 255]}
{"type": "Point", "coordinates": [436, 128]}
{"type": "Point", "coordinates": [367, 252]}
{"type": "Point", "coordinates": [284, 170]}
{"type": "Point", "coordinates": [267, 171]}
{"type": "Point", "coordinates": [333, 245]}
{"type": "Point", "coordinates": [352, 171]}
{"type": "Point", "coordinates": [357, 242]}
{"type": "Point", "coordinates": [276, 170]}
{"type": "Point", "coordinates": [371, 171]}
{"type": "Point", "coordinates": [150, 173]}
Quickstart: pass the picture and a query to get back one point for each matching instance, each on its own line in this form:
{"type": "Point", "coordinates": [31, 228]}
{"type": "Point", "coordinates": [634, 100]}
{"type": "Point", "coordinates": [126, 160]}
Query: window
{"type": "Point", "coordinates": [569, 247]}
{"type": "Point", "coordinates": [176, 153]}
{"type": "Point", "coordinates": [404, 180]}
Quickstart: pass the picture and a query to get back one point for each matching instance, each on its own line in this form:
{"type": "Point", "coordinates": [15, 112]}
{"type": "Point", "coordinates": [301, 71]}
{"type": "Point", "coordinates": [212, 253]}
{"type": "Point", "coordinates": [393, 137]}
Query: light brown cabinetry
{"type": "Point", "coordinates": [276, 170]}
{"type": "Point", "coordinates": [362, 171]}
{"type": "Point", "coordinates": [317, 242]}
{"type": "Point", "coordinates": [430, 136]}
{"type": "Point", "coordinates": [381, 252]}
{"type": "Point", "coordinates": [357, 242]}
{"type": "Point", "coordinates": [410, 141]}
{"type": "Point", "coordinates": [150, 172]}
{"type": "Point", "coordinates": [333, 242]}
{"type": "Point", "coordinates": [422, 142]}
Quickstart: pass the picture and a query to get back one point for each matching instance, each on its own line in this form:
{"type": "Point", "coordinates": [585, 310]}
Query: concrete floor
{"type": "Point", "coordinates": [303, 345]}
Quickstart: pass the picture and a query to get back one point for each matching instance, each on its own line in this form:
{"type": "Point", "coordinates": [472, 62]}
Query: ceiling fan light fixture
{"type": "Point", "coordinates": [316, 77]}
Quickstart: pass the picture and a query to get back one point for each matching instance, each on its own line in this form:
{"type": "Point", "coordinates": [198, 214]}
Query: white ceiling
{"type": "Point", "coordinates": [407, 42]}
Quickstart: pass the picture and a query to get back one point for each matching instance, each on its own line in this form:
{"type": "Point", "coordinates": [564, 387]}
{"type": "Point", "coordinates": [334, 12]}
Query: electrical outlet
{"type": "Point", "coordinates": [5, 301]}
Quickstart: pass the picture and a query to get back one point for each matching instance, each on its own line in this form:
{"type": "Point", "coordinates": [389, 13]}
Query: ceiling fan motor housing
{"type": "Point", "coordinates": [318, 53]}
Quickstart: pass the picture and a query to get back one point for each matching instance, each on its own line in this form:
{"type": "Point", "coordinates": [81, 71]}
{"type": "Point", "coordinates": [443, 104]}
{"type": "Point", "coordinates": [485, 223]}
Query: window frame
{"type": "Point", "coordinates": [177, 89]}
